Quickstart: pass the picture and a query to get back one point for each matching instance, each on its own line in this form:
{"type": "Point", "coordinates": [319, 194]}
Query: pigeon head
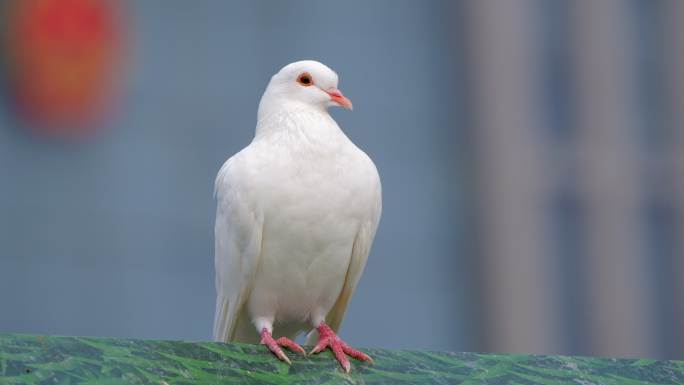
{"type": "Point", "coordinates": [303, 83]}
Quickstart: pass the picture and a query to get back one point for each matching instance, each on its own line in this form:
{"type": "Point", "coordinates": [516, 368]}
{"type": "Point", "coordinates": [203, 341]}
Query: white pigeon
{"type": "Point", "coordinates": [297, 211]}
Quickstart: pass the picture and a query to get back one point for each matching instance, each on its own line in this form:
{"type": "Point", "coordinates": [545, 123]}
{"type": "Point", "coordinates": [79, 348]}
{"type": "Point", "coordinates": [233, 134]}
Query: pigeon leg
{"type": "Point", "coordinates": [328, 338]}
{"type": "Point", "coordinates": [274, 345]}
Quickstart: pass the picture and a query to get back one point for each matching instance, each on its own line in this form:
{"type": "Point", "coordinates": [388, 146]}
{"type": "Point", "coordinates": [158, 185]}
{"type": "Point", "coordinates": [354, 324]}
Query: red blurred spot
{"type": "Point", "coordinates": [63, 60]}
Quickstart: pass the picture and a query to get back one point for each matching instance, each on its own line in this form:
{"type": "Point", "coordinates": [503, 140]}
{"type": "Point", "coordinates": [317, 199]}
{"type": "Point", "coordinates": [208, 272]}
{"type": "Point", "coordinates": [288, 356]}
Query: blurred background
{"type": "Point", "coordinates": [531, 153]}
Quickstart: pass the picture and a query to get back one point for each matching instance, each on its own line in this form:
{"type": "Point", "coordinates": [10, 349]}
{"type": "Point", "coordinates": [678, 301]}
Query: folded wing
{"type": "Point", "coordinates": [360, 251]}
{"type": "Point", "coordinates": [238, 232]}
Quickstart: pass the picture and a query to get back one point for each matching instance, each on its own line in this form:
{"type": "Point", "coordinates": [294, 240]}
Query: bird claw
{"type": "Point", "coordinates": [288, 343]}
{"type": "Point", "coordinates": [328, 338]}
{"type": "Point", "coordinates": [274, 345]}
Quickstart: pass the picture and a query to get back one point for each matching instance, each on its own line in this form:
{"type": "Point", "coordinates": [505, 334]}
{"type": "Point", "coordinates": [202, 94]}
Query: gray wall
{"type": "Point", "coordinates": [531, 154]}
{"type": "Point", "coordinates": [113, 236]}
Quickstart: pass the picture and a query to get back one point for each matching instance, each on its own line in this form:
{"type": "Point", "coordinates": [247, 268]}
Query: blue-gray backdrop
{"type": "Point", "coordinates": [530, 153]}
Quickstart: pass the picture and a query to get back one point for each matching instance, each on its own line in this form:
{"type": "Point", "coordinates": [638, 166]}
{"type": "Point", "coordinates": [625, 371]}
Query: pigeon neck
{"type": "Point", "coordinates": [276, 113]}
{"type": "Point", "coordinates": [269, 107]}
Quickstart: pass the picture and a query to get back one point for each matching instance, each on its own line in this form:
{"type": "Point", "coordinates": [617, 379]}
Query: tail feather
{"type": "Point", "coordinates": [312, 337]}
{"type": "Point", "coordinates": [223, 320]}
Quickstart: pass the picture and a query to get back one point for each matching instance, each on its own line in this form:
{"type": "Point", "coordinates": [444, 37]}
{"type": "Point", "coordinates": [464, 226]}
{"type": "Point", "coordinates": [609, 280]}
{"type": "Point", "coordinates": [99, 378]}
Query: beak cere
{"type": "Point", "coordinates": [341, 100]}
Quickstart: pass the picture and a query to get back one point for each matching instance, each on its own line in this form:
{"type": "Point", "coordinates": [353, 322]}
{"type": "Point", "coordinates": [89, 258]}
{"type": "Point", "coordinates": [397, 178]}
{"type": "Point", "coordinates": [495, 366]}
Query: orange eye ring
{"type": "Point", "coordinates": [305, 79]}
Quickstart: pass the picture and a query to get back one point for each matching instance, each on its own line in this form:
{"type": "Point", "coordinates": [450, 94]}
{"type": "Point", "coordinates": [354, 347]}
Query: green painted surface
{"type": "Point", "coordinates": [79, 360]}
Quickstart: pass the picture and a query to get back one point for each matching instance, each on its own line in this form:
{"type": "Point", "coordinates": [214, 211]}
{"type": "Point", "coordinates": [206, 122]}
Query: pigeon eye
{"type": "Point", "coordinates": [305, 79]}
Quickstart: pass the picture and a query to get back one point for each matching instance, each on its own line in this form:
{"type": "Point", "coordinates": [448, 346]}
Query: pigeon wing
{"type": "Point", "coordinates": [359, 255]}
{"type": "Point", "coordinates": [237, 232]}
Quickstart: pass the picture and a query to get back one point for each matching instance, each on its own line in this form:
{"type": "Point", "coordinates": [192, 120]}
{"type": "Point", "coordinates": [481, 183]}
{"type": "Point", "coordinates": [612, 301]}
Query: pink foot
{"type": "Point", "coordinates": [274, 345]}
{"type": "Point", "coordinates": [328, 338]}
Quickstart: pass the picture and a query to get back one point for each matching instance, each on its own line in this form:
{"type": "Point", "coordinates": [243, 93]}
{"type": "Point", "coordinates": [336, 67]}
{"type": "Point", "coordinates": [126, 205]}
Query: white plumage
{"type": "Point", "coordinates": [297, 210]}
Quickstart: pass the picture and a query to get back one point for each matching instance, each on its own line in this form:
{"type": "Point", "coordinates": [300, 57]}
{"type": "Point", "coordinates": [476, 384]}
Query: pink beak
{"type": "Point", "coordinates": [341, 100]}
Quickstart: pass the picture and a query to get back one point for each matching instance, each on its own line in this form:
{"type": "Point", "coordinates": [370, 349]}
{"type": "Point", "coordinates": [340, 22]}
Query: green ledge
{"type": "Point", "coordinates": [26, 359]}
